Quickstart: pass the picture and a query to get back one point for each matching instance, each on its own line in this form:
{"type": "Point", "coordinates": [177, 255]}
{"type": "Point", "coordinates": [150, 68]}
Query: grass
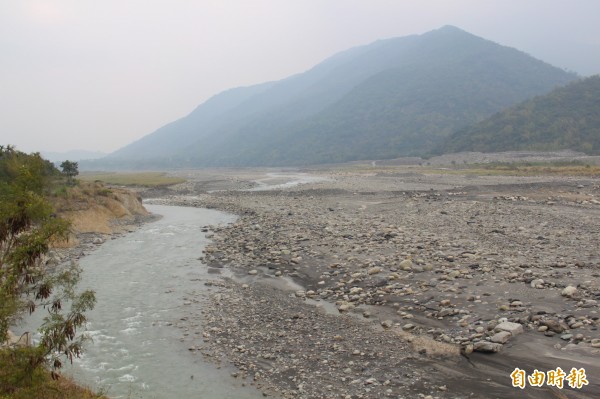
{"type": "Point", "coordinates": [556, 168]}
{"type": "Point", "coordinates": [19, 381]}
{"type": "Point", "coordinates": [66, 197]}
{"type": "Point", "coordinates": [143, 179]}
{"type": "Point", "coordinates": [551, 168]}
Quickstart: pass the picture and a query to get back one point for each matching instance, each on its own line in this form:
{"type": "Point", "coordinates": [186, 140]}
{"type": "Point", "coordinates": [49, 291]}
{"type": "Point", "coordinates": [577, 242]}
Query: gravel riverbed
{"type": "Point", "coordinates": [400, 283]}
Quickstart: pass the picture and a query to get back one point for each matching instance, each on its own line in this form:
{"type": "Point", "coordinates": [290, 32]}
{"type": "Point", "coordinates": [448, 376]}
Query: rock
{"type": "Point", "coordinates": [553, 326]}
{"type": "Point", "coordinates": [576, 325]}
{"type": "Point", "coordinates": [345, 307]}
{"type": "Point", "coordinates": [468, 349]}
{"type": "Point", "coordinates": [406, 265]}
{"type": "Point", "coordinates": [488, 347]}
{"type": "Point", "coordinates": [513, 328]}
{"type": "Point", "coordinates": [588, 303]}
{"type": "Point", "coordinates": [445, 312]}
{"type": "Point", "coordinates": [253, 272]}
{"type": "Point", "coordinates": [387, 324]}
{"type": "Point", "coordinates": [537, 283]}
{"type": "Point", "coordinates": [374, 270]}
{"type": "Point", "coordinates": [445, 338]}
{"type": "Point", "coordinates": [569, 291]}
{"type": "Point", "coordinates": [501, 338]}
{"type": "Point", "coordinates": [566, 337]}
{"type": "Point", "coordinates": [453, 274]}
{"type": "Point", "coordinates": [98, 240]}
{"type": "Point", "coordinates": [408, 326]}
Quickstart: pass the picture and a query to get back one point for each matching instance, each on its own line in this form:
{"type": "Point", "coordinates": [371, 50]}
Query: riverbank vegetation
{"type": "Point", "coordinates": [515, 168]}
{"type": "Point", "coordinates": [19, 381]}
{"type": "Point", "coordinates": [142, 179]}
{"type": "Point", "coordinates": [28, 228]}
{"type": "Point", "coordinates": [554, 168]}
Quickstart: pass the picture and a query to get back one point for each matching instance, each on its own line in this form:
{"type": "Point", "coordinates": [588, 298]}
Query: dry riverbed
{"type": "Point", "coordinates": [401, 282]}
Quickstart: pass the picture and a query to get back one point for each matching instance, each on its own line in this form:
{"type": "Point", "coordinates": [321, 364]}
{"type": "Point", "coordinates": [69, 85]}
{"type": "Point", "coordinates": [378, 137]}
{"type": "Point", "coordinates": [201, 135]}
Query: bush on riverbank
{"type": "Point", "coordinates": [28, 227]}
{"type": "Point", "coordinates": [18, 380]}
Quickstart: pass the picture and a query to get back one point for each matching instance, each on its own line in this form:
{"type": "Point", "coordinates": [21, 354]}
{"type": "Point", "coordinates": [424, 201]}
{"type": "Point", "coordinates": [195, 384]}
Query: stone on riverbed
{"type": "Point", "coordinates": [488, 347]}
{"type": "Point", "coordinates": [406, 265]}
{"type": "Point", "coordinates": [569, 291]}
{"type": "Point", "coordinates": [501, 338]}
{"type": "Point", "coordinates": [512, 328]}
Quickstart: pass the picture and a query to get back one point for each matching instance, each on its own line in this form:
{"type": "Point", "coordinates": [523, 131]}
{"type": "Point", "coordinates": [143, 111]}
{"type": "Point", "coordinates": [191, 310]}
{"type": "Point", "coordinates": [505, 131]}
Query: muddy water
{"type": "Point", "coordinates": [141, 281]}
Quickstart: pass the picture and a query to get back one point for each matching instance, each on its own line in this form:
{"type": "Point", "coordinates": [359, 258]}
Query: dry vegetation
{"type": "Point", "coordinates": [527, 169]}
{"type": "Point", "coordinates": [559, 168]}
{"type": "Point", "coordinates": [143, 179]}
{"type": "Point", "coordinates": [92, 207]}
{"type": "Point", "coordinates": [17, 382]}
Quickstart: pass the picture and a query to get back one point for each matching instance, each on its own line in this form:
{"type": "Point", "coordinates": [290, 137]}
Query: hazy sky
{"type": "Point", "coordinates": [99, 74]}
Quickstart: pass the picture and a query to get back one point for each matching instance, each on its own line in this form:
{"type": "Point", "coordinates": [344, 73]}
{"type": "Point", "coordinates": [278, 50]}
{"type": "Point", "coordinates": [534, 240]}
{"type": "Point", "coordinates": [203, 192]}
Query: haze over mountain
{"type": "Point", "coordinates": [391, 98]}
{"type": "Point", "coordinates": [566, 118]}
{"type": "Point", "coordinates": [74, 155]}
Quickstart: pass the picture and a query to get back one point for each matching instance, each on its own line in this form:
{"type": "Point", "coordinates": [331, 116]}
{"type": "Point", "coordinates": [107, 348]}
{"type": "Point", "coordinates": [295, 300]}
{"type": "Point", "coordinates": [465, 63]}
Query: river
{"type": "Point", "coordinates": [282, 180]}
{"type": "Point", "coordinates": [141, 282]}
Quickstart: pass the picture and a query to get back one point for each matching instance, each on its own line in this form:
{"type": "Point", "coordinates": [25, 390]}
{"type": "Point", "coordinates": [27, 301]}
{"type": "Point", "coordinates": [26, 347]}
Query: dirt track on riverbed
{"type": "Point", "coordinates": [390, 282]}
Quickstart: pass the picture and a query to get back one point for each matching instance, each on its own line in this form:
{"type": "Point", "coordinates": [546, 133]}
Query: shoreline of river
{"type": "Point", "coordinates": [89, 242]}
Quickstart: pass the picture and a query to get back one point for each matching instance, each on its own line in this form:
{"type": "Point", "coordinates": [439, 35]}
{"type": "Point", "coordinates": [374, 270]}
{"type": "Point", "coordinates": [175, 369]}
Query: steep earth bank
{"type": "Point", "coordinates": [96, 213]}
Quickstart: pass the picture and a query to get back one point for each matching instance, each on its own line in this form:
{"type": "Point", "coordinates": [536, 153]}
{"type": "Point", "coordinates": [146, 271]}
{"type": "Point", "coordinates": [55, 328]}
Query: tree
{"type": "Point", "coordinates": [70, 169]}
{"type": "Point", "coordinates": [28, 227]}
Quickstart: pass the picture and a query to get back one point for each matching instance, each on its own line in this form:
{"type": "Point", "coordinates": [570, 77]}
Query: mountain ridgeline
{"type": "Point", "coordinates": [391, 98]}
{"type": "Point", "coordinates": [566, 118]}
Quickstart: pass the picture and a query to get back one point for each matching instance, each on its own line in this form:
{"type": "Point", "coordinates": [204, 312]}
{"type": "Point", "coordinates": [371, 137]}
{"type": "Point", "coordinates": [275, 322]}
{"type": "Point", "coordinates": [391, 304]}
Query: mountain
{"type": "Point", "coordinates": [566, 118]}
{"type": "Point", "coordinates": [393, 97]}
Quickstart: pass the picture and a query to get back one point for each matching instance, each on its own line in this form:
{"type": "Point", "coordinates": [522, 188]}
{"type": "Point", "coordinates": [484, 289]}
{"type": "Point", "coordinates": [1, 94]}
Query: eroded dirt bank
{"type": "Point", "coordinates": [397, 283]}
{"type": "Point", "coordinates": [96, 213]}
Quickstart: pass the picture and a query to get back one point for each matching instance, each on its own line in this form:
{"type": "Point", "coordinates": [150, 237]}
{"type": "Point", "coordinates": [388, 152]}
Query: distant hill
{"type": "Point", "coordinates": [74, 155]}
{"type": "Point", "coordinates": [391, 98]}
{"type": "Point", "coordinates": [566, 118]}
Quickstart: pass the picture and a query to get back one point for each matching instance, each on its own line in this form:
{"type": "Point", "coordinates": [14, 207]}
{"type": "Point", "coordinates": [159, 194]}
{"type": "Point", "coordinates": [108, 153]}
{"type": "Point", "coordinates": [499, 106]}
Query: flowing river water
{"type": "Point", "coordinates": [141, 281]}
